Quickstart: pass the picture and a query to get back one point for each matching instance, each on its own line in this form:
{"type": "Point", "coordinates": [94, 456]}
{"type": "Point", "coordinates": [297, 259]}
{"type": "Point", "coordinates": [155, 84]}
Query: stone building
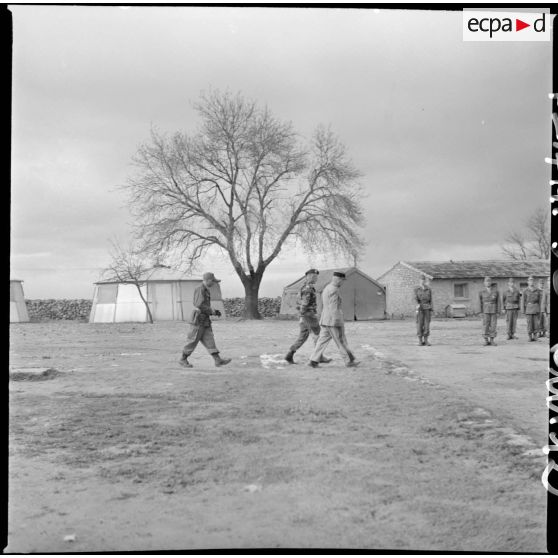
{"type": "Point", "coordinates": [455, 284]}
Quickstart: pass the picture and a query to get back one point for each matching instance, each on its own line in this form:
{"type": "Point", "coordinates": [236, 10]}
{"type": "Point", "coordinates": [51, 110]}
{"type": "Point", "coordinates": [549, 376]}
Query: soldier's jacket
{"type": "Point", "coordinates": [423, 296]}
{"type": "Point", "coordinates": [489, 301]}
{"type": "Point", "coordinates": [332, 313]}
{"type": "Point", "coordinates": [307, 302]}
{"type": "Point", "coordinates": [545, 301]}
{"type": "Point", "coordinates": [202, 302]}
{"type": "Point", "coordinates": [511, 299]}
{"type": "Point", "coordinates": [532, 299]}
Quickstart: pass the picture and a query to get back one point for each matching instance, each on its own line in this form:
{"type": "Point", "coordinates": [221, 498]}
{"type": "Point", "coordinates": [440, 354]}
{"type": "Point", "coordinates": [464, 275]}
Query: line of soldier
{"type": "Point", "coordinates": [535, 303]}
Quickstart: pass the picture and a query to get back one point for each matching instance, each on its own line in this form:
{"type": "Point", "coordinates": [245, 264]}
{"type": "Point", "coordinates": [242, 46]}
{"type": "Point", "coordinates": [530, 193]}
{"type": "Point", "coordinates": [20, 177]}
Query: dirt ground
{"type": "Point", "coordinates": [427, 448]}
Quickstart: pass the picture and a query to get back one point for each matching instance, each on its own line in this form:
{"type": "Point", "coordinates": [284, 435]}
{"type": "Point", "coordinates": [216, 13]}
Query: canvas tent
{"type": "Point", "coordinates": [363, 298]}
{"type": "Point", "coordinates": [169, 295]}
{"type": "Point", "coordinates": [18, 310]}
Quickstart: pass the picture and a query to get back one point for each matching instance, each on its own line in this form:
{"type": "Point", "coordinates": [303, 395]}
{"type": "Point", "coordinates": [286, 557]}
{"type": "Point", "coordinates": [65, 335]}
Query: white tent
{"type": "Point", "coordinates": [169, 295]}
{"type": "Point", "coordinates": [18, 310]}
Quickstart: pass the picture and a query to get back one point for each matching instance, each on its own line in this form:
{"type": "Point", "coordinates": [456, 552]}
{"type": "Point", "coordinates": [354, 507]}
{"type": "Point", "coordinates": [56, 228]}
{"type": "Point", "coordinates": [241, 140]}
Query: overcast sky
{"type": "Point", "coordinates": [451, 136]}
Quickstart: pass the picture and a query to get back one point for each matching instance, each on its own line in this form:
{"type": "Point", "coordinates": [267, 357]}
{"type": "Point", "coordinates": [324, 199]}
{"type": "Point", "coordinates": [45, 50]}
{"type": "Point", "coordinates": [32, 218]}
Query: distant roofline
{"type": "Point", "coordinates": [109, 281]}
{"type": "Point", "coordinates": [346, 270]}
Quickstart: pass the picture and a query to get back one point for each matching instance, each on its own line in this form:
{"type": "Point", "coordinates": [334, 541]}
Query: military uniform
{"type": "Point", "coordinates": [489, 306]}
{"type": "Point", "coordinates": [423, 297]}
{"type": "Point", "coordinates": [332, 325]}
{"type": "Point", "coordinates": [532, 299]}
{"type": "Point", "coordinates": [545, 311]}
{"type": "Point", "coordinates": [511, 300]}
{"type": "Point", "coordinates": [200, 324]}
{"type": "Point", "coordinates": [308, 317]}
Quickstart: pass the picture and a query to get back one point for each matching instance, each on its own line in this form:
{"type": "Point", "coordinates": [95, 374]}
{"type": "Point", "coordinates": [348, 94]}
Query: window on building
{"type": "Point", "coordinates": [461, 290]}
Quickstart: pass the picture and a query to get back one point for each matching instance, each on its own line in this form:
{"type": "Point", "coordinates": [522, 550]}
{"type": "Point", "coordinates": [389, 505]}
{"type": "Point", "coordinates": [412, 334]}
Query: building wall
{"type": "Point", "coordinates": [443, 292]}
{"type": "Point", "coordinates": [401, 281]}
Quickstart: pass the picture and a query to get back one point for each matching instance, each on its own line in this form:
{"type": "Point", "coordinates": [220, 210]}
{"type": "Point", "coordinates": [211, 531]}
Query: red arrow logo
{"type": "Point", "coordinates": [519, 25]}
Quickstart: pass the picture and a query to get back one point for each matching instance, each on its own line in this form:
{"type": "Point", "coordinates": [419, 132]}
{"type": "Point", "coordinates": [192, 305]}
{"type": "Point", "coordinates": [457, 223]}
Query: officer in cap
{"type": "Point", "coordinates": [423, 297]}
{"type": "Point", "coordinates": [489, 300]}
{"type": "Point", "coordinates": [200, 323]}
{"type": "Point", "coordinates": [332, 323]}
{"type": "Point", "coordinates": [532, 298]}
{"type": "Point", "coordinates": [308, 314]}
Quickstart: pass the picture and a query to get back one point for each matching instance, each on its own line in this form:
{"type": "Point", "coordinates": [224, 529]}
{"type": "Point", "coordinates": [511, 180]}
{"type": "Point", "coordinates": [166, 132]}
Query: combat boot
{"type": "Point", "coordinates": [313, 364]}
{"type": "Point", "coordinates": [220, 361]}
{"type": "Point", "coordinates": [351, 356]}
{"type": "Point", "coordinates": [352, 364]}
{"type": "Point", "coordinates": [426, 342]}
{"type": "Point", "coordinates": [420, 342]}
{"type": "Point", "coordinates": [289, 357]}
{"type": "Point", "coordinates": [184, 362]}
{"type": "Point", "coordinates": [325, 360]}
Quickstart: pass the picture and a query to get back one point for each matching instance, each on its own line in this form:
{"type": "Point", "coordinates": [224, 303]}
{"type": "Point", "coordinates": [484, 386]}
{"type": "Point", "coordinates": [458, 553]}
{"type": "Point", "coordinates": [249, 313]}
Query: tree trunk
{"type": "Point", "coordinates": [251, 290]}
{"type": "Point", "coordinates": [149, 315]}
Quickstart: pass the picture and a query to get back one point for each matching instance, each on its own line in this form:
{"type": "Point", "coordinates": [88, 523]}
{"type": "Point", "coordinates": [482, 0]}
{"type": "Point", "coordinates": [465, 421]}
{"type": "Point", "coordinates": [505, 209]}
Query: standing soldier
{"type": "Point", "coordinates": [545, 303]}
{"type": "Point", "coordinates": [489, 298]}
{"type": "Point", "coordinates": [423, 296]}
{"type": "Point", "coordinates": [200, 324]}
{"type": "Point", "coordinates": [511, 301]}
{"type": "Point", "coordinates": [308, 312]}
{"type": "Point", "coordinates": [332, 323]}
{"type": "Point", "coordinates": [532, 298]}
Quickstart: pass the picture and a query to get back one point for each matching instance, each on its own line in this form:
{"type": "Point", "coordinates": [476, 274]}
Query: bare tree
{"type": "Point", "coordinates": [128, 265]}
{"type": "Point", "coordinates": [533, 242]}
{"type": "Point", "coordinates": [244, 185]}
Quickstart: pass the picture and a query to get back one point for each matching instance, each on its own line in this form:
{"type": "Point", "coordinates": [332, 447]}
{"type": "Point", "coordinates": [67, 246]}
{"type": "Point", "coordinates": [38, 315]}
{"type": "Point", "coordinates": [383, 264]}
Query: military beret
{"type": "Point", "coordinates": [312, 271]}
{"type": "Point", "coordinates": [339, 274]}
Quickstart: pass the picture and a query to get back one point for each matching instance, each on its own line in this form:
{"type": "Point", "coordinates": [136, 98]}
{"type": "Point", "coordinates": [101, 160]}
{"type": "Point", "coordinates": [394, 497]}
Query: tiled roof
{"type": "Point", "coordinates": [483, 268]}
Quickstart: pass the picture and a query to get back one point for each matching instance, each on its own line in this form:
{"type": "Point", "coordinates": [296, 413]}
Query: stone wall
{"type": "Point", "coordinates": [268, 307]}
{"type": "Point", "coordinates": [58, 309]}
{"type": "Point", "coordinates": [64, 309]}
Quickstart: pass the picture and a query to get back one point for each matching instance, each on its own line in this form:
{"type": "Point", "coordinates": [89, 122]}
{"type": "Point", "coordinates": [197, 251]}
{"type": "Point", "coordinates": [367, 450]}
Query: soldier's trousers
{"type": "Point", "coordinates": [307, 325]}
{"type": "Point", "coordinates": [327, 333]}
{"type": "Point", "coordinates": [423, 322]}
{"type": "Point", "coordinates": [197, 334]}
{"type": "Point", "coordinates": [511, 321]}
{"type": "Point", "coordinates": [489, 322]}
{"type": "Point", "coordinates": [542, 322]}
{"type": "Point", "coordinates": [532, 323]}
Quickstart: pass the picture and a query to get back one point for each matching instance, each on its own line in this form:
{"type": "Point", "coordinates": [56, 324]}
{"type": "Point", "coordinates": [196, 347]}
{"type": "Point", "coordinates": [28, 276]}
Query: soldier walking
{"type": "Point", "coordinates": [200, 324]}
{"type": "Point", "coordinates": [332, 323]}
{"type": "Point", "coordinates": [511, 301]}
{"type": "Point", "coordinates": [532, 298]}
{"type": "Point", "coordinates": [545, 307]}
{"type": "Point", "coordinates": [308, 315]}
{"type": "Point", "coordinates": [423, 297]}
{"type": "Point", "coordinates": [489, 298]}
